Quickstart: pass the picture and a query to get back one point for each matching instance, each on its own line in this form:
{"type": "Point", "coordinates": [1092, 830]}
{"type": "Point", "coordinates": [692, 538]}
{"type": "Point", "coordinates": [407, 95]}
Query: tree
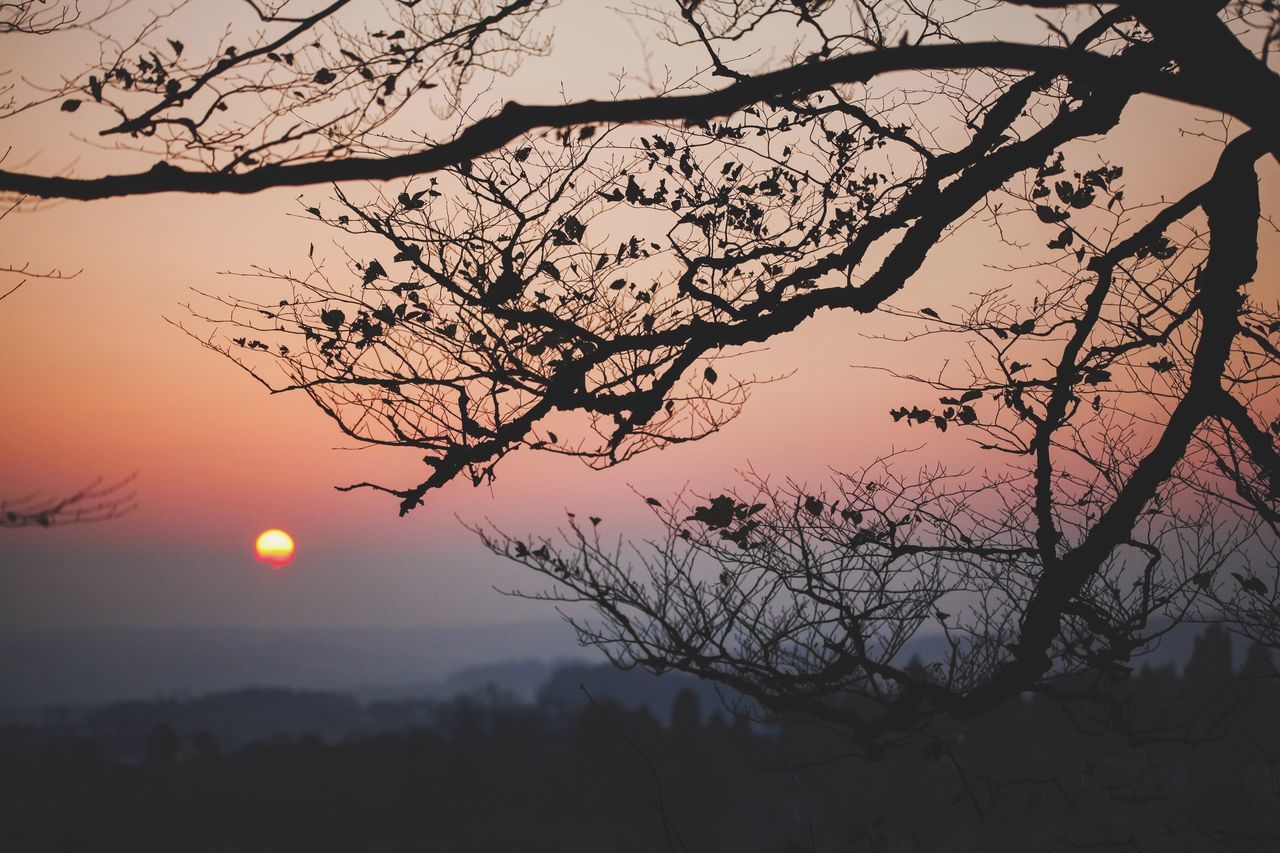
{"type": "Point", "coordinates": [353, 77]}
{"type": "Point", "coordinates": [24, 271]}
{"type": "Point", "coordinates": [94, 502]}
{"type": "Point", "coordinates": [596, 258]}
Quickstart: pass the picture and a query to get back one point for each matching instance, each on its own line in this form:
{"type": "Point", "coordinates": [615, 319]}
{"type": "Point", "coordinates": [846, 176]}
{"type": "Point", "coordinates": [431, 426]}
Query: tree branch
{"type": "Point", "coordinates": [515, 120]}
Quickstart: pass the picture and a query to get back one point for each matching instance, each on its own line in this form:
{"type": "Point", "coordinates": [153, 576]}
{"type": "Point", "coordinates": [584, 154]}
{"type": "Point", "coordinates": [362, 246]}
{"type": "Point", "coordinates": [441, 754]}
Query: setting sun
{"type": "Point", "coordinates": [275, 547]}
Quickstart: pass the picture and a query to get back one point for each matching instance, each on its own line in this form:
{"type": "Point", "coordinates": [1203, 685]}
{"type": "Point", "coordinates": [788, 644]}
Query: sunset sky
{"type": "Point", "coordinates": [97, 383]}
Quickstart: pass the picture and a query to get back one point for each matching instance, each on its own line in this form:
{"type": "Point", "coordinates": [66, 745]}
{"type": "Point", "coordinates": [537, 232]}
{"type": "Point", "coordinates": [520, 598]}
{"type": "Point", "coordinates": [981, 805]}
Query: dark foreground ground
{"type": "Point", "coordinates": [572, 772]}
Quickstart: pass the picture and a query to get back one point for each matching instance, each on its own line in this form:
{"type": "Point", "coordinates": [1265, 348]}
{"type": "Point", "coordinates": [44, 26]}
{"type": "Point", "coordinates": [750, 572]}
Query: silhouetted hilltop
{"type": "Point", "coordinates": [556, 692]}
{"type": "Point", "coordinates": [76, 668]}
{"type": "Point", "coordinates": [521, 678]}
{"type": "Point", "coordinates": [570, 688]}
{"type": "Point", "coordinates": [233, 719]}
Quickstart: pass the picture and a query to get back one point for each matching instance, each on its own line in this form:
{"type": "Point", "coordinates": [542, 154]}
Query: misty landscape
{"type": "Point", "coordinates": [663, 426]}
{"type": "Point", "coordinates": [573, 756]}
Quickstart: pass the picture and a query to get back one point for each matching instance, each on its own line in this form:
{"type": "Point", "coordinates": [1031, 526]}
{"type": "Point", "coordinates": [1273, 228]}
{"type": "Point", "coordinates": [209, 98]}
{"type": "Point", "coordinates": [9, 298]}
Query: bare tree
{"type": "Point", "coordinates": [25, 271]}
{"type": "Point", "coordinates": [603, 270]}
{"type": "Point", "coordinates": [280, 89]}
{"type": "Point", "coordinates": [296, 102]}
{"type": "Point", "coordinates": [95, 502]}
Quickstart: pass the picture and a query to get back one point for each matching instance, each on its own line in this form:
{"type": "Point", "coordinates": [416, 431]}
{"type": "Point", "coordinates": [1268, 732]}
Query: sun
{"type": "Point", "coordinates": [274, 547]}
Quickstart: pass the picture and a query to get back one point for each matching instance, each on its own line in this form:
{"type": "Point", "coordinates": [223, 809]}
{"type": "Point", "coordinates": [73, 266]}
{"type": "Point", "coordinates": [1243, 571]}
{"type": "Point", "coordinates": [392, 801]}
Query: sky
{"type": "Point", "coordinates": [96, 383]}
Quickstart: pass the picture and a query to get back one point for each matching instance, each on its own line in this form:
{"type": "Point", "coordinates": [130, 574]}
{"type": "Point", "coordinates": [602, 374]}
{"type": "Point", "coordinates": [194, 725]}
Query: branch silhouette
{"type": "Point", "coordinates": [578, 278]}
{"type": "Point", "coordinates": [95, 502]}
{"type": "Point", "coordinates": [1214, 70]}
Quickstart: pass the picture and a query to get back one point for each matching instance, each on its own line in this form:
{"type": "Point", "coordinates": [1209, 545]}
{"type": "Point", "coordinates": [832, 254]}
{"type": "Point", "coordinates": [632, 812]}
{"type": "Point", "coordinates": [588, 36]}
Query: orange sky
{"type": "Point", "coordinates": [96, 383]}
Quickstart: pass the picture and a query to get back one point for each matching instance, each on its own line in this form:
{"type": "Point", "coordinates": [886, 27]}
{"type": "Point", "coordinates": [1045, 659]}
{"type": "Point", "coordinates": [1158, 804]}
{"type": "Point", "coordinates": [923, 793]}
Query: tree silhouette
{"type": "Point", "coordinates": [24, 271]}
{"type": "Point", "coordinates": [356, 78]}
{"type": "Point", "coordinates": [596, 258]}
{"type": "Point", "coordinates": [94, 502]}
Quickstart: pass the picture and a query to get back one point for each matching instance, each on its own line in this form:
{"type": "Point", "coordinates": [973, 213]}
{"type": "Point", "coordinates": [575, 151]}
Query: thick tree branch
{"type": "Point", "coordinates": [515, 120]}
{"type": "Point", "coordinates": [1260, 444]}
{"type": "Point", "coordinates": [1232, 206]}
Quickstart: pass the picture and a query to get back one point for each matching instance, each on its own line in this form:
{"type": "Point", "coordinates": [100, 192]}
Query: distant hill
{"type": "Point", "coordinates": [95, 668]}
{"type": "Point", "coordinates": [235, 718]}
{"type": "Point", "coordinates": [231, 719]}
{"type": "Point", "coordinates": [39, 668]}
{"type": "Point", "coordinates": [558, 691]}
{"type": "Point", "coordinates": [520, 678]}
{"type": "Point", "coordinates": [571, 687]}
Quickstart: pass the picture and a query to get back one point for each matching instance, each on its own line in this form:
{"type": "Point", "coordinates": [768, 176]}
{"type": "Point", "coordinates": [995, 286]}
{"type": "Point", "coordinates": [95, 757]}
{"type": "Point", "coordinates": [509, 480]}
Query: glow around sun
{"type": "Point", "coordinates": [274, 547]}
